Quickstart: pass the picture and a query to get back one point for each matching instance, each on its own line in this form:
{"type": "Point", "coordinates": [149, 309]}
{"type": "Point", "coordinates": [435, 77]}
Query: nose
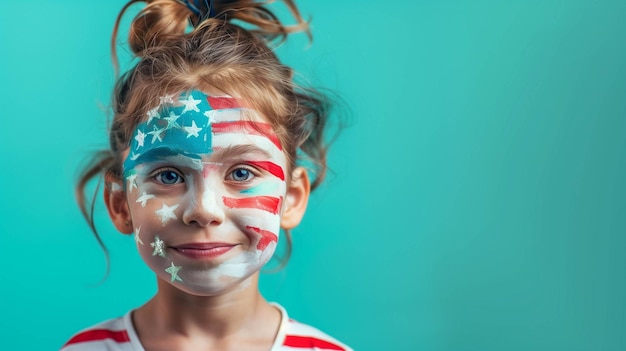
{"type": "Point", "coordinates": [204, 207]}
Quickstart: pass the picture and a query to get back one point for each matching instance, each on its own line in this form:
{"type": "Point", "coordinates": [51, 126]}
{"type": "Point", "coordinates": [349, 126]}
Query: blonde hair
{"type": "Point", "coordinates": [216, 53]}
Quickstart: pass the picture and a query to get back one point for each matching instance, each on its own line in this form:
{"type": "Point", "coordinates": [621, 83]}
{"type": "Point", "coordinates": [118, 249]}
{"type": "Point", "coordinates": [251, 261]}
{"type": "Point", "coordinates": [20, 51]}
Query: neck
{"type": "Point", "coordinates": [238, 311]}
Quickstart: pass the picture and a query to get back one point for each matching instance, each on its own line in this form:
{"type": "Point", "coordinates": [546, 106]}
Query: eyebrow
{"type": "Point", "coordinates": [235, 151]}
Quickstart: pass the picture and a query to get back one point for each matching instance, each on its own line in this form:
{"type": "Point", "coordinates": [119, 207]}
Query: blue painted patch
{"type": "Point", "coordinates": [172, 130]}
{"type": "Point", "coordinates": [266, 188]}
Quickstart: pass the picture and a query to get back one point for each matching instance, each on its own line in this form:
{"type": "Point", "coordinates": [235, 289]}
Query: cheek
{"type": "Point", "coordinates": [264, 237]}
{"type": "Point", "coordinates": [262, 229]}
{"type": "Point", "coordinates": [147, 227]}
{"type": "Point", "coordinates": [148, 203]}
{"type": "Point", "coordinates": [151, 215]}
{"type": "Point", "coordinates": [259, 209]}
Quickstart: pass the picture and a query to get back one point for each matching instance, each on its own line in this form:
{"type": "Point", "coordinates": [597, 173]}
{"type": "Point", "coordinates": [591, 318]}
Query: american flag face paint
{"type": "Point", "coordinates": [205, 181]}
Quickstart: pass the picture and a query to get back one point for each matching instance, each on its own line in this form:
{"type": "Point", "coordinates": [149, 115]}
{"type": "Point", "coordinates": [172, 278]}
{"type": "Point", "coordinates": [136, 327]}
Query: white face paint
{"type": "Point", "coordinates": [205, 188]}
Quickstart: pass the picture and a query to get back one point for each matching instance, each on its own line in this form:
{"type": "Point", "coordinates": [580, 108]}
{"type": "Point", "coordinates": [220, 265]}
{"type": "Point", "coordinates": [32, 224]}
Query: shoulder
{"type": "Point", "coordinates": [110, 335]}
{"type": "Point", "coordinates": [296, 336]}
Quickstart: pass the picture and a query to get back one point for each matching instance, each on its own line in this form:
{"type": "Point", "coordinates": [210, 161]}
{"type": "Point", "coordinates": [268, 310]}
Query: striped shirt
{"type": "Point", "coordinates": [119, 335]}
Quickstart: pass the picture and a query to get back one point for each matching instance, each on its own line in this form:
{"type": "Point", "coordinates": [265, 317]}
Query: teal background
{"type": "Point", "coordinates": [477, 200]}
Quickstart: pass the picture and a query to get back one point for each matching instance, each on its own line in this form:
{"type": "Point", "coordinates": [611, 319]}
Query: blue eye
{"type": "Point", "coordinates": [242, 175]}
{"type": "Point", "coordinates": [169, 177]}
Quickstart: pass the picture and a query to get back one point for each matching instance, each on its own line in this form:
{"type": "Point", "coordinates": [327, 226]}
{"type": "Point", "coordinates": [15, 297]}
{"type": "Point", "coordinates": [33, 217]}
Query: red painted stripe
{"type": "Point", "coordinates": [266, 237]}
{"type": "Point", "coordinates": [99, 334]}
{"type": "Point", "coordinates": [307, 342]}
{"type": "Point", "coordinates": [255, 128]}
{"type": "Point", "coordinates": [271, 167]}
{"type": "Point", "coordinates": [265, 203]}
{"type": "Point", "coordinates": [223, 102]}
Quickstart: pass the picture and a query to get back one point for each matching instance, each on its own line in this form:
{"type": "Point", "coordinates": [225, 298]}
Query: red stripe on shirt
{"type": "Point", "coordinates": [99, 334]}
{"type": "Point", "coordinates": [271, 167]}
{"type": "Point", "coordinates": [255, 128]}
{"type": "Point", "coordinates": [306, 342]}
{"type": "Point", "coordinates": [266, 237]}
{"type": "Point", "coordinates": [223, 102]}
{"type": "Point", "coordinates": [266, 203]}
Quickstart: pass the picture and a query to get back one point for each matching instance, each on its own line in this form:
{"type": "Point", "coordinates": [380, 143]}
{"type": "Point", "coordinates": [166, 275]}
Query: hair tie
{"type": "Point", "coordinates": [202, 14]}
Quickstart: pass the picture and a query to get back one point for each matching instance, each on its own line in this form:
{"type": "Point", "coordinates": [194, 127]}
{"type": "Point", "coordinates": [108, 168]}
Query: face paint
{"type": "Point", "coordinates": [138, 240]}
{"type": "Point", "coordinates": [205, 188]}
{"type": "Point", "coordinates": [261, 189]}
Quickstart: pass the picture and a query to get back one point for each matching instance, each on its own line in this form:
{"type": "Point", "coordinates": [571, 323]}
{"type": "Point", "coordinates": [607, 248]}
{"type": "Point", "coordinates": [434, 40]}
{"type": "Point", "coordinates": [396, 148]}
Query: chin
{"type": "Point", "coordinates": [214, 287]}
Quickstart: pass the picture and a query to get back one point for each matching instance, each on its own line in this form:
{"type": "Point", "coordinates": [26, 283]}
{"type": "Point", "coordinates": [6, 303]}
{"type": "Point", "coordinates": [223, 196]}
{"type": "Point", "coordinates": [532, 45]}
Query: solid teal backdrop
{"type": "Point", "coordinates": [477, 201]}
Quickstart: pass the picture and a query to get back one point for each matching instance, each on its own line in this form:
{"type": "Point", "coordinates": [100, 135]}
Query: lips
{"type": "Point", "coordinates": [203, 250]}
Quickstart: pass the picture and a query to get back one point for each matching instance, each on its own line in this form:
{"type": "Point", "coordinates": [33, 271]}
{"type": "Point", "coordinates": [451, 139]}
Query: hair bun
{"type": "Point", "coordinates": [165, 21]}
{"type": "Point", "coordinates": [159, 21]}
{"type": "Point", "coordinates": [201, 9]}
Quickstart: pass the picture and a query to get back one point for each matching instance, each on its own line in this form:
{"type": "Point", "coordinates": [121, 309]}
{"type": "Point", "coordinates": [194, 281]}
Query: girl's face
{"type": "Point", "coordinates": [205, 188]}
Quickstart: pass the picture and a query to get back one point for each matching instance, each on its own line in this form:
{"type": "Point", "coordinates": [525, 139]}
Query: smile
{"type": "Point", "coordinates": [203, 250]}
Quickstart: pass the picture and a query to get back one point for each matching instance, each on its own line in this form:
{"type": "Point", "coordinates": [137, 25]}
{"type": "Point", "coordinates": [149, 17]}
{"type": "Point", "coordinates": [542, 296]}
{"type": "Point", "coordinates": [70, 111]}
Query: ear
{"type": "Point", "coordinates": [296, 199]}
{"type": "Point", "coordinates": [115, 200]}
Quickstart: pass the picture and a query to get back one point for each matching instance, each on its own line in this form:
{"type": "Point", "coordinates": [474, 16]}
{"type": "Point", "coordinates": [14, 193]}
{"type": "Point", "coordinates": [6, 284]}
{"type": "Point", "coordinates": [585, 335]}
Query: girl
{"type": "Point", "coordinates": [207, 133]}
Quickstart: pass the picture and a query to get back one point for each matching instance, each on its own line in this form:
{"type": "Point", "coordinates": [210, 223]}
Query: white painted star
{"type": "Point", "coordinates": [152, 114]}
{"type": "Point", "coordinates": [193, 130]}
{"type": "Point", "coordinates": [159, 247]}
{"type": "Point", "coordinates": [166, 99]}
{"type": "Point", "coordinates": [137, 238]}
{"type": "Point", "coordinates": [171, 121]}
{"type": "Point", "coordinates": [191, 104]}
{"type": "Point", "coordinates": [132, 182]}
{"type": "Point", "coordinates": [173, 270]}
{"type": "Point", "coordinates": [166, 213]}
{"type": "Point", "coordinates": [134, 156]}
{"type": "Point", "coordinates": [140, 138]}
{"type": "Point", "coordinates": [144, 198]}
{"type": "Point", "coordinates": [156, 134]}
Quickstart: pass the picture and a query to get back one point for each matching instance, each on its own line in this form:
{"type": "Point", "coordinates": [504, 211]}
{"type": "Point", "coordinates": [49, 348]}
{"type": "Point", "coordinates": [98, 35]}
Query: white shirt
{"type": "Point", "coordinates": [119, 335]}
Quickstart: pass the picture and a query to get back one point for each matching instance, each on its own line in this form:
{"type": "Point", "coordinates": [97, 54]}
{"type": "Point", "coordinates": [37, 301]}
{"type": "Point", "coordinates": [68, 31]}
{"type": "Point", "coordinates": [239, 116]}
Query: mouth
{"type": "Point", "coordinates": [203, 250]}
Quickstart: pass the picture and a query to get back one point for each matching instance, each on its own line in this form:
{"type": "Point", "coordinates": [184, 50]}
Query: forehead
{"type": "Point", "coordinates": [195, 124]}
